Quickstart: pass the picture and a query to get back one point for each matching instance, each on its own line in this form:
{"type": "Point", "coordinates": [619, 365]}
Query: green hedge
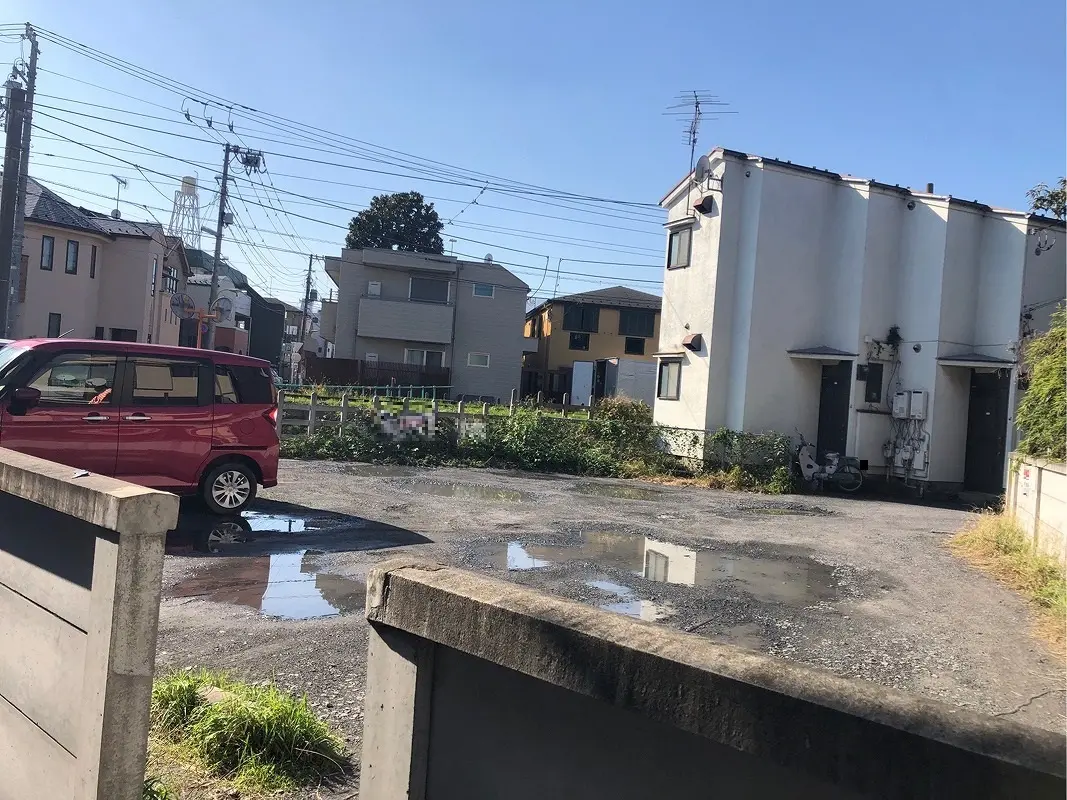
{"type": "Point", "coordinates": [1042, 414]}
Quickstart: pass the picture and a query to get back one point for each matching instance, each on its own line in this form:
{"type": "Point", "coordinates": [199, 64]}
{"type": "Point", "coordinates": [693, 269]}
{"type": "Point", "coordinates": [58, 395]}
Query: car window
{"type": "Point", "coordinates": [254, 385]}
{"type": "Point", "coordinates": [165, 382]}
{"type": "Point", "coordinates": [225, 386]}
{"type": "Point", "coordinates": [80, 379]}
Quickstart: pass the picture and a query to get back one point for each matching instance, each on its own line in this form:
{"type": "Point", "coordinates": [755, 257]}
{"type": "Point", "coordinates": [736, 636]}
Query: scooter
{"type": "Point", "coordinates": [843, 473]}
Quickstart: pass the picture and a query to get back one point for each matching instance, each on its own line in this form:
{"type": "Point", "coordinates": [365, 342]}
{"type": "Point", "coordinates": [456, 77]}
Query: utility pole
{"type": "Point", "coordinates": [213, 295]}
{"type": "Point", "coordinates": [304, 312]}
{"type": "Point", "coordinates": [15, 113]}
{"type": "Point", "coordinates": [30, 79]}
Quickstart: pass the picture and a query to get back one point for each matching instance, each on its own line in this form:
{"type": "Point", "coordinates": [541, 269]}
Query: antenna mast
{"type": "Point", "coordinates": [691, 107]}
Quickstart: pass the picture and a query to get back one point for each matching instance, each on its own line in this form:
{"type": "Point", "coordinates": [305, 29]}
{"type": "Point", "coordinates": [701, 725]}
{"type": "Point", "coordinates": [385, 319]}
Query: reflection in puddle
{"type": "Point", "coordinates": [469, 491]}
{"type": "Point", "coordinates": [793, 581]}
{"type": "Point", "coordinates": [278, 523]}
{"type": "Point", "coordinates": [378, 470]}
{"type": "Point", "coordinates": [279, 585]}
{"type": "Point", "coordinates": [629, 603]}
{"type": "Point", "coordinates": [619, 491]}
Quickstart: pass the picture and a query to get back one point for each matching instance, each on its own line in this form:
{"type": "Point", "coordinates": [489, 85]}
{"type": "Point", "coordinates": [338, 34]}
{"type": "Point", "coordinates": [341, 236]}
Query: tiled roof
{"type": "Point", "coordinates": [615, 296]}
{"type": "Point", "coordinates": [125, 227]}
{"type": "Point", "coordinates": [200, 262]}
{"type": "Point", "coordinates": [44, 205]}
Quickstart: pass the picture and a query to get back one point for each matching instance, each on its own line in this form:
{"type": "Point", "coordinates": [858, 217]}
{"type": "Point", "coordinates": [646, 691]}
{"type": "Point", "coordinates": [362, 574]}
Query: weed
{"type": "Point", "coordinates": [154, 790]}
{"type": "Point", "coordinates": [259, 736]}
{"type": "Point", "coordinates": [996, 544]}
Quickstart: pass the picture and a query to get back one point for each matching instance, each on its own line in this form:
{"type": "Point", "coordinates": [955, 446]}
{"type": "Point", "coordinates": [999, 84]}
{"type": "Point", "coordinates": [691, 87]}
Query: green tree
{"type": "Point", "coordinates": [1049, 199]}
{"type": "Point", "coordinates": [401, 221]}
{"type": "Point", "coordinates": [1042, 414]}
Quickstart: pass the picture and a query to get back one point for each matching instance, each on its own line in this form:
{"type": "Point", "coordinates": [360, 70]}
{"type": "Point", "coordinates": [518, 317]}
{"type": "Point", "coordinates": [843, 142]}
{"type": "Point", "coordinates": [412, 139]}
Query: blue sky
{"type": "Point", "coordinates": [967, 95]}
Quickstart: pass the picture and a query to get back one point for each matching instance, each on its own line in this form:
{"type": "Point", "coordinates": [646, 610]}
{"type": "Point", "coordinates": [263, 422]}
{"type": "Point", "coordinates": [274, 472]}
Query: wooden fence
{"type": "Point", "coordinates": [356, 372]}
{"type": "Point", "coordinates": [309, 414]}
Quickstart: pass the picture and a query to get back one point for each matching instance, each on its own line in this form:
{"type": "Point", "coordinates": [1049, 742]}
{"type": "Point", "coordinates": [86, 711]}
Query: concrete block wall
{"type": "Point", "coordinates": [1037, 499]}
{"type": "Point", "coordinates": [81, 560]}
{"type": "Point", "coordinates": [479, 688]}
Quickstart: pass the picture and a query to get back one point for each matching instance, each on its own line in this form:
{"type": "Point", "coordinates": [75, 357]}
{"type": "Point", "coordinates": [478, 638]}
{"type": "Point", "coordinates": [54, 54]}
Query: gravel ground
{"type": "Point", "coordinates": [863, 588]}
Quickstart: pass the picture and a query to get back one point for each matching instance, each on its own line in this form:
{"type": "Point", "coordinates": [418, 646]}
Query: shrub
{"type": "Point", "coordinates": [1042, 413]}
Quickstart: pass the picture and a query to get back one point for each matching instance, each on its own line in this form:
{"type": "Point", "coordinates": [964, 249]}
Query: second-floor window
{"type": "Point", "coordinates": [155, 273]}
{"type": "Point", "coordinates": [678, 247]}
{"type": "Point", "coordinates": [92, 262]}
{"type": "Point", "coordinates": [72, 257]}
{"type": "Point", "coordinates": [48, 251]}
{"type": "Point", "coordinates": [428, 290]}
{"type": "Point", "coordinates": [483, 290]}
{"type": "Point", "coordinates": [170, 280]}
{"type": "Point", "coordinates": [580, 317]}
{"type": "Point", "coordinates": [635, 322]}
{"type": "Point", "coordinates": [579, 341]}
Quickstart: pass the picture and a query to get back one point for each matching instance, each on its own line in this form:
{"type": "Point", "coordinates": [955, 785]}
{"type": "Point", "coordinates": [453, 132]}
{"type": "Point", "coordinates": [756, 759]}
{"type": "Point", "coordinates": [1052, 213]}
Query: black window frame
{"type": "Point", "coordinates": [51, 241]}
{"type": "Point", "coordinates": [672, 236]}
{"type": "Point", "coordinates": [579, 340]}
{"type": "Point", "coordinates": [411, 289]}
{"type": "Point", "coordinates": [39, 365]}
{"type": "Point", "coordinates": [634, 346]}
{"type": "Point", "coordinates": [98, 334]}
{"type": "Point", "coordinates": [52, 315]}
{"type": "Point", "coordinates": [66, 261]}
{"type": "Point", "coordinates": [92, 262]}
{"type": "Point", "coordinates": [635, 321]}
{"type": "Point", "coordinates": [664, 392]}
{"type": "Point", "coordinates": [872, 390]}
{"type": "Point", "coordinates": [581, 317]}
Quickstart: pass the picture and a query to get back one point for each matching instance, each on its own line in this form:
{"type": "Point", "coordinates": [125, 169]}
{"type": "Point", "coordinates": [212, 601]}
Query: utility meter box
{"type": "Point", "coordinates": [901, 405]}
{"type": "Point", "coordinates": [917, 405]}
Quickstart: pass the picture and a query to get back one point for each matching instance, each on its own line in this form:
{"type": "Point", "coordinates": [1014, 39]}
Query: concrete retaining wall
{"type": "Point", "coordinates": [1037, 498]}
{"type": "Point", "coordinates": [478, 688]}
{"type": "Point", "coordinates": [81, 560]}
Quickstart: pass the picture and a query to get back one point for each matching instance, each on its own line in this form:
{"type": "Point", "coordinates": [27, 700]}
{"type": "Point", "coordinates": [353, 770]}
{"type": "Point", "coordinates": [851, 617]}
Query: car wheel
{"type": "Point", "coordinates": [229, 488]}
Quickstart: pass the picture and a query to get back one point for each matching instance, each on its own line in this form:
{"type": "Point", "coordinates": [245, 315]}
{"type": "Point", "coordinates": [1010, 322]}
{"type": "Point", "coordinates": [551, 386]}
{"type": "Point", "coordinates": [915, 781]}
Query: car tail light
{"type": "Point", "coordinates": [271, 415]}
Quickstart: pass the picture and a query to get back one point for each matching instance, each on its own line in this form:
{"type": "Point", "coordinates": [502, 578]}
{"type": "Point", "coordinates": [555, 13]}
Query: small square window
{"type": "Point", "coordinates": [678, 247]}
{"type": "Point", "coordinates": [579, 341]}
{"type": "Point", "coordinates": [477, 359]}
{"type": "Point", "coordinates": [670, 379]}
{"type": "Point", "coordinates": [484, 290]}
{"type": "Point", "coordinates": [635, 346]}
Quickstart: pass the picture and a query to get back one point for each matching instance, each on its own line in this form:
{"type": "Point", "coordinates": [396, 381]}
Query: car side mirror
{"type": "Point", "coordinates": [23, 399]}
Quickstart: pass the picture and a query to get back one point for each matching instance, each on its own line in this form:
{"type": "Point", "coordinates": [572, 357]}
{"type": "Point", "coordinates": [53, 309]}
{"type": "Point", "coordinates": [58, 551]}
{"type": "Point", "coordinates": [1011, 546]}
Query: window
{"type": "Point", "coordinates": [82, 379]}
{"type": "Point", "coordinates": [123, 335]}
{"type": "Point", "coordinates": [48, 250]}
{"type": "Point", "coordinates": [165, 382]}
{"type": "Point", "coordinates": [424, 358]}
{"type": "Point", "coordinates": [484, 290]}
{"type": "Point", "coordinates": [873, 390]}
{"type": "Point", "coordinates": [155, 273]}
{"type": "Point", "coordinates": [225, 386]}
{"type": "Point", "coordinates": [580, 317]}
{"type": "Point", "coordinates": [678, 246]}
{"type": "Point", "coordinates": [635, 346]}
{"type": "Point", "coordinates": [477, 359]}
{"type": "Point", "coordinates": [170, 280]}
{"type": "Point", "coordinates": [657, 566]}
{"type": "Point", "coordinates": [579, 341]}
{"type": "Point", "coordinates": [99, 332]}
{"type": "Point", "coordinates": [634, 322]}
{"type": "Point", "coordinates": [670, 378]}
{"type": "Point", "coordinates": [55, 323]}
{"type": "Point", "coordinates": [428, 290]}
{"type": "Point", "coordinates": [92, 264]}
{"type": "Point", "coordinates": [72, 257]}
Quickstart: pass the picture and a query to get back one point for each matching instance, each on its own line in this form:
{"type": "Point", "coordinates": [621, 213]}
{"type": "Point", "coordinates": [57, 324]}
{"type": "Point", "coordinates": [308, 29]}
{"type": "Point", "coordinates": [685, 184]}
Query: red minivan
{"type": "Point", "coordinates": [173, 418]}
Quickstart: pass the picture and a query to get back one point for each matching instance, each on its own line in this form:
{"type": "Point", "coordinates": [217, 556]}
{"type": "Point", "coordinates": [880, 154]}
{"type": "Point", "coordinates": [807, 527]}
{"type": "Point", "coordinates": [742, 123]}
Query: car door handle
{"type": "Point", "coordinates": [137, 418]}
{"type": "Point", "coordinates": [96, 418]}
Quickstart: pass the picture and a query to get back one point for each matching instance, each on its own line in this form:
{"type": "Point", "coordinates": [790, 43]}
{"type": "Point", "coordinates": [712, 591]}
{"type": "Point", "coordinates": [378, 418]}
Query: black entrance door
{"type": "Point", "coordinates": [833, 408]}
{"type": "Point", "coordinates": [987, 431]}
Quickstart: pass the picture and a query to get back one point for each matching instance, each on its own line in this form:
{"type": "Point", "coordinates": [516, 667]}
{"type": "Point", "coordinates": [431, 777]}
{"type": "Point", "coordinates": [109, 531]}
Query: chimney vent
{"type": "Point", "coordinates": [929, 188]}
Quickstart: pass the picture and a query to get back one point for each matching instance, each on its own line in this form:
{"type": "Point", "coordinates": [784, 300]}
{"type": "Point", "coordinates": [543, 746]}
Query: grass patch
{"type": "Point", "coordinates": [997, 545]}
{"type": "Point", "coordinates": [154, 789]}
{"type": "Point", "coordinates": [256, 737]}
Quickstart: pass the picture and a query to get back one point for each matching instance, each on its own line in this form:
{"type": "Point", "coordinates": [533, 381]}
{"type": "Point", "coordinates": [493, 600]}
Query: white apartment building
{"type": "Point", "coordinates": [878, 321]}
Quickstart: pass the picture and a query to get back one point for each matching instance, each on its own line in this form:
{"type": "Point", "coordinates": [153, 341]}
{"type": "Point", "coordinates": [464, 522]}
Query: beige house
{"type": "Point", "coordinates": [459, 319]}
{"type": "Point", "coordinates": [94, 277]}
{"type": "Point", "coordinates": [617, 322]}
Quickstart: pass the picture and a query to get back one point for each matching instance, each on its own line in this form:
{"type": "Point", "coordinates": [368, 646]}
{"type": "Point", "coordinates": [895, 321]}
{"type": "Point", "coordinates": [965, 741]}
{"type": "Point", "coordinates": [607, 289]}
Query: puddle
{"type": "Point", "coordinates": [787, 511]}
{"type": "Point", "coordinates": [378, 470]}
{"type": "Point", "coordinates": [621, 492]}
{"type": "Point", "coordinates": [280, 585]}
{"type": "Point", "coordinates": [792, 581]}
{"type": "Point", "coordinates": [278, 523]}
{"type": "Point", "coordinates": [469, 491]}
{"type": "Point", "coordinates": [629, 603]}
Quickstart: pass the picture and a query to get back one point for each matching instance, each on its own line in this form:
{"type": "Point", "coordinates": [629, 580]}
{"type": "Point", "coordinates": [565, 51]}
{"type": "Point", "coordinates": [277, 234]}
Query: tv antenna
{"type": "Point", "coordinates": [692, 107]}
{"type": "Point", "coordinates": [120, 184]}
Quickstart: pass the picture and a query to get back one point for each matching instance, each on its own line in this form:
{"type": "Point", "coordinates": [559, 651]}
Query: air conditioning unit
{"type": "Point", "coordinates": [374, 289]}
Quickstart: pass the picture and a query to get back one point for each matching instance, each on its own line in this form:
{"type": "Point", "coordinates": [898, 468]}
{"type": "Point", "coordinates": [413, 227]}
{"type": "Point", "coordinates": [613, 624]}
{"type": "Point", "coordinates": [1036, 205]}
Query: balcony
{"type": "Point", "coordinates": [405, 319]}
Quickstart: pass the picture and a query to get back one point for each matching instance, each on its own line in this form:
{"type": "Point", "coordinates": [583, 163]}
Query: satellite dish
{"type": "Point", "coordinates": [225, 307]}
{"type": "Point", "coordinates": [182, 305]}
{"type": "Point", "coordinates": [702, 169]}
{"type": "Point", "coordinates": [488, 258]}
